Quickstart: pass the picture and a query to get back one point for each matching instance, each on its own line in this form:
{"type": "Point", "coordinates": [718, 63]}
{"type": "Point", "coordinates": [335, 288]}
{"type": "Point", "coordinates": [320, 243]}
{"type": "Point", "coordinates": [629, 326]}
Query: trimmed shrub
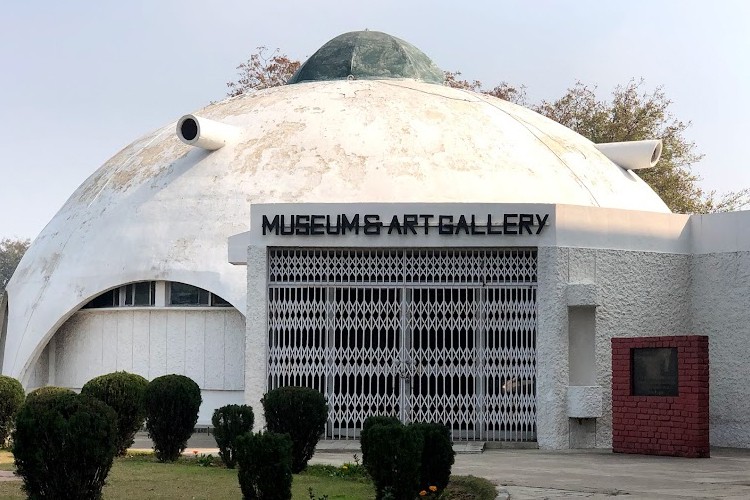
{"type": "Point", "coordinates": [11, 398]}
{"type": "Point", "coordinates": [437, 456]}
{"type": "Point", "coordinates": [43, 393]}
{"type": "Point", "coordinates": [64, 445]}
{"type": "Point", "coordinates": [394, 453]}
{"type": "Point", "coordinates": [123, 392]}
{"type": "Point", "coordinates": [301, 413]}
{"type": "Point", "coordinates": [369, 421]}
{"type": "Point", "coordinates": [265, 466]}
{"type": "Point", "coordinates": [172, 404]}
{"type": "Point", "coordinates": [230, 422]}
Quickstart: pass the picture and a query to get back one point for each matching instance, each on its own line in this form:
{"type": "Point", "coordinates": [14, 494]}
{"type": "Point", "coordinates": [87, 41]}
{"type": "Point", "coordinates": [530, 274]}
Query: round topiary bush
{"type": "Point", "coordinates": [230, 422]}
{"type": "Point", "coordinates": [172, 404]}
{"type": "Point", "coordinates": [11, 398]}
{"type": "Point", "coordinates": [63, 445]}
{"type": "Point", "coordinates": [47, 392]}
{"type": "Point", "coordinates": [265, 466]}
{"type": "Point", "coordinates": [391, 453]}
{"type": "Point", "coordinates": [124, 393]}
{"type": "Point", "coordinates": [301, 413]}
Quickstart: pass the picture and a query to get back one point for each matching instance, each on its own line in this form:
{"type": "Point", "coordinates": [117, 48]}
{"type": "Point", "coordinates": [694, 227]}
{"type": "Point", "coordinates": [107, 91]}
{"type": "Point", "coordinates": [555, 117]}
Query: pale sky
{"type": "Point", "coordinates": [81, 80]}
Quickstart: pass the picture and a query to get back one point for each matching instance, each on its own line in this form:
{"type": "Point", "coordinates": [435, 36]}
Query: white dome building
{"type": "Point", "coordinates": [137, 271]}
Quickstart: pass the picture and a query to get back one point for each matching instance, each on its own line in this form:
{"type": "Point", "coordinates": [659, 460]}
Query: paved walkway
{"type": "Point", "coordinates": [595, 474]}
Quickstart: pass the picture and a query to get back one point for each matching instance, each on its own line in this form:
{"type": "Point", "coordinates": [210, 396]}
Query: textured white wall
{"type": "Point", "coordinates": [720, 302]}
{"type": "Point", "coordinates": [204, 344]}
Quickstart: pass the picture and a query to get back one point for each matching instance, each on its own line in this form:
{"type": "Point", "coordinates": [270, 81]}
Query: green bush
{"type": "Point", "coordinates": [11, 398]}
{"type": "Point", "coordinates": [369, 421]}
{"type": "Point", "coordinates": [63, 446]}
{"type": "Point", "coordinates": [123, 392]}
{"type": "Point", "coordinates": [301, 413]}
{"type": "Point", "coordinates": [172, 404]}
{"type": "Point", "coordinates": [265, 466]}
{"type": "Point", "coordinates": [392, 458]}
{"type": "Point", "coordinates": [230, 422]}
{"type": "Point", "coordinates": [47, 392]}
{"type": "Point", "coordinates": [437, 456]}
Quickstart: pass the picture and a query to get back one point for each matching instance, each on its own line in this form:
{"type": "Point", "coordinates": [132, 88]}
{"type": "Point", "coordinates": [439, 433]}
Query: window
{"type": "Point", "coordinates": [182, 294]}
{"type": "Point", "coordinates": [141, 294]}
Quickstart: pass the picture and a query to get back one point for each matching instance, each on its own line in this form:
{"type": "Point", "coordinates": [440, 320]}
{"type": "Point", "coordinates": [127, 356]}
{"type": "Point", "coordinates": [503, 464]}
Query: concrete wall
{"type": "Point", "coordinates": [720, 302]}
{"type": "Point", "coordinates": [636, 294]}
{"type": "Point", "coordinates": [205, 344]}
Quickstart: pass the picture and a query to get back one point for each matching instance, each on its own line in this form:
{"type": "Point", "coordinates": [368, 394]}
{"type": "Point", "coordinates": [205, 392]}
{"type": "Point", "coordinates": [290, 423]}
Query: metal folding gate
{"type": "Point", "coordinates": [427, 335]}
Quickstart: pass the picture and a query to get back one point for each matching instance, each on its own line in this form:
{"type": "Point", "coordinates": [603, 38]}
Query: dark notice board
{"type": "Point", "coordinates": [654, 371]}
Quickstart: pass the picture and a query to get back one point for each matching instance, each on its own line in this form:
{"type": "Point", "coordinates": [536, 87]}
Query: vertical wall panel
{"type": "Point", "coordinates": [92, 328]}
{"type": "Point", "coordinates": [125, 341]}
{"type": "Point", "coordinates": [234, 351]}
{"type": "Point", "coordinates": [109, 341]}
{"type": "Point", "coordinates": [176, 342]}
{"type": "Point", "coordinates": [214, 353]}
{"type": "Point", "coordinates": [195, 327]}
{"type": "Point", "coordinates": [158, 345]}
{"type": "Point", "coordinates": [141, 330]}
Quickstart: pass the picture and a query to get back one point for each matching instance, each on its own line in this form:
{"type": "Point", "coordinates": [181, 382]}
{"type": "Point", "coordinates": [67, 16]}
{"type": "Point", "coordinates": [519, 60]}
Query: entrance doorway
{"type": "Point", "coordinates": [425, 335]}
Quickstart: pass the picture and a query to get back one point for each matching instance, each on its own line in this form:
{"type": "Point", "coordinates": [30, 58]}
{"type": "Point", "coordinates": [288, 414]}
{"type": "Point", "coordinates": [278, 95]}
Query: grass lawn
{"type": "Point", "coordinates": [142, 476]}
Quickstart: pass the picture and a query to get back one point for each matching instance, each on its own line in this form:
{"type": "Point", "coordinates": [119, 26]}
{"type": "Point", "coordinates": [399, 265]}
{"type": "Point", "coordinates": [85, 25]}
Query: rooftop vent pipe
{"type": "Point", "coordinates": [204, 133]}
{"type": "Point", "coordinates": [633, 155]}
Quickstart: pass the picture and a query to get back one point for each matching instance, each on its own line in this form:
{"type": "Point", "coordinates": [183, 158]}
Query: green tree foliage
{"type": "Point", "coordinates": [11, 251]}
{"type": "Point", "coordinates": [124, 393]}
{"type": "Point", "coordinates": [630, 113]}
{"type": "Point", "coordinates": [11, 398]}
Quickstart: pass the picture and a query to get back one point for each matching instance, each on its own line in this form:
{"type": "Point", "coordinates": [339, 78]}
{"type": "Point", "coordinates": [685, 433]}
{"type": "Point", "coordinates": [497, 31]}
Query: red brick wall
{"type": "Point", "coordinates": [657, 425]}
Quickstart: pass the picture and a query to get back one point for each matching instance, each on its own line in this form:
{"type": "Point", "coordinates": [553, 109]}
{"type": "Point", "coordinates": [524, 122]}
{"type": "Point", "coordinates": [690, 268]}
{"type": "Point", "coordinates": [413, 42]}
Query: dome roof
{"type": "Point", "coordinates": [162, 210]}
{"type": "Point", "coordinates": [368, 55]}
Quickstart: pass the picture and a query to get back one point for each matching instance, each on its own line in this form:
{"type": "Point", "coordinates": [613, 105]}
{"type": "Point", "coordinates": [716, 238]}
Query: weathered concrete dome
{"type": "Point", "coordinates": [162, 210]}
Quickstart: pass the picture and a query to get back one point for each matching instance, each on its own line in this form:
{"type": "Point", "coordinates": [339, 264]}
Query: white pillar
{"type": "Point", "coordinates": [256, 335]}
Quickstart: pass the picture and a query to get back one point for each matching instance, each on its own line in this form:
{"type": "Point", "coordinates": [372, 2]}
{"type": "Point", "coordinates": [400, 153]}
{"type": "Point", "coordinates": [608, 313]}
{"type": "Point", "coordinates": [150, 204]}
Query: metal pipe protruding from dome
{"type": "Point", "coordinates": [632, 155]}
{"type": "Point", "coordinates": [204, 133]}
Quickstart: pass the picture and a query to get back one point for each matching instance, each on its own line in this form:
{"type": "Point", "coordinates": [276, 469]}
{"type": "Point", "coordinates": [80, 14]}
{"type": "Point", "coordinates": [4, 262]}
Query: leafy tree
{"type": "Point", "coordinates": [11, 251]}
{"type": "Point", "coordinates": [263, 70]}
{"type": "Point", "coordinates": [630, 114]}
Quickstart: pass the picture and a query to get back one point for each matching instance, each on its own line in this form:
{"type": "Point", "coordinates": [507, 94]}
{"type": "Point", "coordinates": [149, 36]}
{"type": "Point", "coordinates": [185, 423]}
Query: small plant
{"type": "Point", "coordinates": [64, 445]}
{"type": "Point", "coordinates": [172, 404]}
{"type": "Point", "coordinates": [230, 422]}
{"type": "Point", "coordinates": [11, 398]}
{"type": "Point", "coordinates": [312, 496]}
{"type": "Point", "coordinates": [392, 455]}
{"type": "Point", "coordinates": [124, 393]}
{"type": "Point", "coordinates": [265, 466]}
{"type": "Point", "coordinates": [205, 460]}
{"type": "Point", "coordinates": [301, 413]}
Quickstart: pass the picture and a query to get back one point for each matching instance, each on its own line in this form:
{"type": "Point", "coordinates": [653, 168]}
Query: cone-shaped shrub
{"type": "Point", "coordinates": [124, 393]}
{"type": "Point", "coordinates": [63, 446]}
{"type": "Point", "coordinates": [265, 466]}
{"type": "Point", "coordinates": [11, 398]}
{"type": "Point", "coordinates": [230, 422]}
{"type": "Point", "coordinates": [172, 404]}
{"type": "Point", "coordinates": [301, 413]}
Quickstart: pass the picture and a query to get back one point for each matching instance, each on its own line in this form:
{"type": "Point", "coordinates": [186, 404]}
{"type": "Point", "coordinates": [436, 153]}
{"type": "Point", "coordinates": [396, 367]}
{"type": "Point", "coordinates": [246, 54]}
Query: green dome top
{"type": "Point", "coordinates": [368, 55]}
